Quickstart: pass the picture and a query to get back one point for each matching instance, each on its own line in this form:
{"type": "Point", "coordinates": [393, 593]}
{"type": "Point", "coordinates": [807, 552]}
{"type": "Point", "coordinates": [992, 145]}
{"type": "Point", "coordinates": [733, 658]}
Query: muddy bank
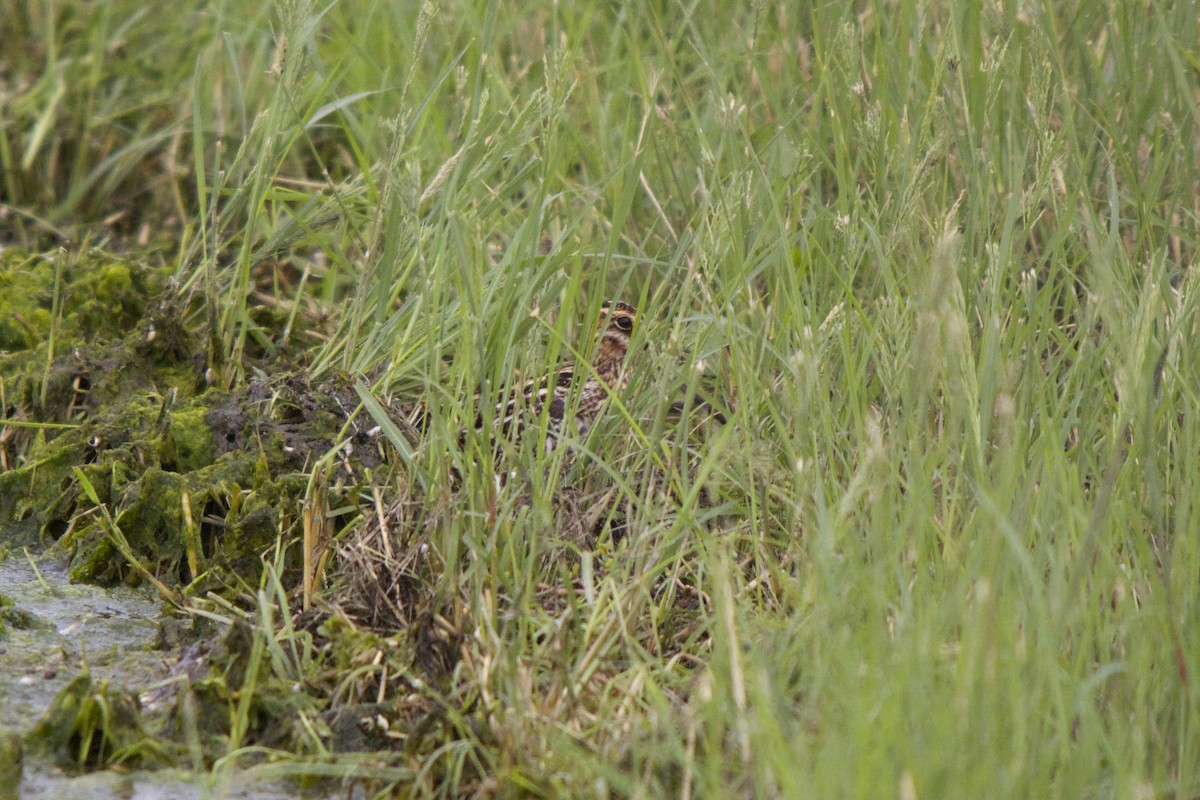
{"type": "Point", "coordinates": [54, 633]}
{"type": "Point", "coordinates": [151, 489]}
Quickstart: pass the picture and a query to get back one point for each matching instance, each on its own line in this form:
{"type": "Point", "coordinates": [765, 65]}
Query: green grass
{"type": "Point", "coordinates": [930, 254]}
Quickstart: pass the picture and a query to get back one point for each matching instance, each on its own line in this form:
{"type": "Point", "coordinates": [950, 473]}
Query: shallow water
{"type": "Point", "coordinates": [111, 633]}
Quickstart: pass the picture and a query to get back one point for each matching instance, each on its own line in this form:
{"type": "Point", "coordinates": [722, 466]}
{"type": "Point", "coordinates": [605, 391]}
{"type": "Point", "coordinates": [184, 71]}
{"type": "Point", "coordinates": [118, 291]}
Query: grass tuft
{"type": "Point", "coordinates": [930, 261]}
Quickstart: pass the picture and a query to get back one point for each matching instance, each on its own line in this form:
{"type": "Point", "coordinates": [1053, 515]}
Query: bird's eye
{"type": "Point", "coordinates": [625, 323]}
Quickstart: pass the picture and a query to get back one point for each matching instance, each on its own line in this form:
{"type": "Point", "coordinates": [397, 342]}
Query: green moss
{"type": "Point", "coordinates": [80, 330]}
{"type": "Point", "coordinates": [36, 500]}
{"type": "Point", "coordinates": [148, 508]}
{"type": "Point", "coordinates": [199, 481]}
{"type": "Point", "coordinates": [26, 290]}
{"type": "Point", "coordinates": [99, 297]}
{"type": "Point", "coordinates": [188, 441]}
{"type": "Point", "coordinates": [104, 295]}
{"type": "Point", "coordinates": [94, 555]}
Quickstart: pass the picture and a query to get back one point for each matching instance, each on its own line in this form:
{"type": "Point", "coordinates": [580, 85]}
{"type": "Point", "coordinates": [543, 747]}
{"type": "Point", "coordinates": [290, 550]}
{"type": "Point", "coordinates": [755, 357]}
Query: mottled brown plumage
{"type": "Point", "coordinates": [520, 406]}
{"type": "Point", "coordinates": [552, 392]}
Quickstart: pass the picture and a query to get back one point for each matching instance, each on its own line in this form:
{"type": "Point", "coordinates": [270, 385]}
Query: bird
{"type": "Point", "coordinates": [522, 406]}
{"type": "Point", "coordinates": [517, 408]}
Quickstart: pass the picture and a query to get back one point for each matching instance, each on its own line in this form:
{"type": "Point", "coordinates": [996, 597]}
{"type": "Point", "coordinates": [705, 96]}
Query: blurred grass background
{"type": "Point", "coordinates": [935, 258]}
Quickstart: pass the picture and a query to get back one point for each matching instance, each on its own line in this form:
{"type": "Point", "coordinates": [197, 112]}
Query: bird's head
{"type": "Point", "coordinates": [616, 324]}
